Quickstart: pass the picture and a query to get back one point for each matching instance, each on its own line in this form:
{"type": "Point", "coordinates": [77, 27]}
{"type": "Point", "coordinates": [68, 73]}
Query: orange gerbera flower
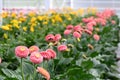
{"type": "Point", "coordinates": [44, 72]}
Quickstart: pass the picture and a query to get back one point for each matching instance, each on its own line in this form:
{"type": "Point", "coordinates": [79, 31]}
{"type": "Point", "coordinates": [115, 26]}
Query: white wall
{"type": "Point", "coordinates": [40, 4]}
{"type": "Point", "coordinates": [99, 4]}
{"type": "Point", "coordinates": [1, 3]}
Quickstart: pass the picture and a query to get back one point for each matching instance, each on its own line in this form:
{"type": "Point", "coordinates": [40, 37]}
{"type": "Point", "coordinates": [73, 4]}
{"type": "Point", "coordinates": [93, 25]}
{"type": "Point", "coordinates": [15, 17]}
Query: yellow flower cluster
{"type": "Point", "coordinates": [6, 27]}
{"type": "Point", "coordinates": [33, 21]}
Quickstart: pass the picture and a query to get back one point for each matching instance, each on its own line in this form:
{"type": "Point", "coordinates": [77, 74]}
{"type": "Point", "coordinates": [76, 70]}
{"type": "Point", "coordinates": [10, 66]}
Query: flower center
{"type": "Point", "coordinates": [37, 55]}
{"type": "Point", "coordinates": [32, 49]}
{"type": "Point", "coordinates": [22, 48]}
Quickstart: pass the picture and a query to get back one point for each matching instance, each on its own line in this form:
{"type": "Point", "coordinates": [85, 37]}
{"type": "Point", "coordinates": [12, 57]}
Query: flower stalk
{"type": "Point", "coordinates": [22, 74]}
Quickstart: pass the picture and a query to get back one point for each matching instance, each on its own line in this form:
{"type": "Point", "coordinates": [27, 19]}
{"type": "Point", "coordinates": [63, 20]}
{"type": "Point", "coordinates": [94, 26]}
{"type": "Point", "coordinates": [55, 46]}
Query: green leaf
{"type": "Point", "coordinates": [28, 77]}
{"type": "Point", "coordinates": [94, 72]}
{"type": "Point", "coordinates": [11, 79]}
{"type": "Point", "coordinates": [65, 61]}
{"type": "Point", "coordinates": [102, 67]}
{"type": "Point", "coordinates": [2, 77]}
{"type": "Point", "coordinates": [95, 61]}
{"type": "Point", "coordinates": [78, 73]}
{"type": "Point", "coordinates": [11, 74]}
{"type": "Point", "coordinates": [28, 68]}
{"type": "Point", "coordinates": [94, 54]}
{"type": "Point", "coordinates": [78, 62]}
{"type": "Point", "coordinates": [87, 64]}
{"type": "Point", "coordinates": [3, 65]}
{"type": "Point", "coordinates": [114, 75]}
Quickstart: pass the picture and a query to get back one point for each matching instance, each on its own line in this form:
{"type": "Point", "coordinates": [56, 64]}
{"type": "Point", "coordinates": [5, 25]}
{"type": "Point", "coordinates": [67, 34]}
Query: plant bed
{"type": "Point", "coordinates": [60, 46]}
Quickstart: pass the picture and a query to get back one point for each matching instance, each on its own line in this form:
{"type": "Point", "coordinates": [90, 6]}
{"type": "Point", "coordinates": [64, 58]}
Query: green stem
{"type": "Point", "coordinates": [118, 34]}
{"type": "Point", "coordinates": [34, 74]}
{"type": "Point", "coordinates": [22, 70]}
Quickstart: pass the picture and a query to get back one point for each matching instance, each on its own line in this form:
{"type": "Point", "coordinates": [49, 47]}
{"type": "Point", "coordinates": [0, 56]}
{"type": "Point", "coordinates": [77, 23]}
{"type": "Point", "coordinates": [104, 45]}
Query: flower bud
{"type": "Point", "coordinates": [90, 46]}
{"type": "Point", "coordinates": [43, 72]}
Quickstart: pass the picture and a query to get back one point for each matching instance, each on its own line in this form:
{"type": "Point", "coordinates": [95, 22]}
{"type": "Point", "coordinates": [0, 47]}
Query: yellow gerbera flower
{"type": "Point", "coordinates": [32, 29]}
{"type": "Point", "coordinates": [5, 36]}
{"type": "Point", "coordinates": [25, 28]}
{"type": "Point", "coordinates": [7, 28]}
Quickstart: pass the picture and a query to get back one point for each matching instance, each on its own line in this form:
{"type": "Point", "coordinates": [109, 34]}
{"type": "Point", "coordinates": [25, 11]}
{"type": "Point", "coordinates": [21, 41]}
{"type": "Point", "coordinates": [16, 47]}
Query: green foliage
{"type": "Point", "coordinates": [80, 63]}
